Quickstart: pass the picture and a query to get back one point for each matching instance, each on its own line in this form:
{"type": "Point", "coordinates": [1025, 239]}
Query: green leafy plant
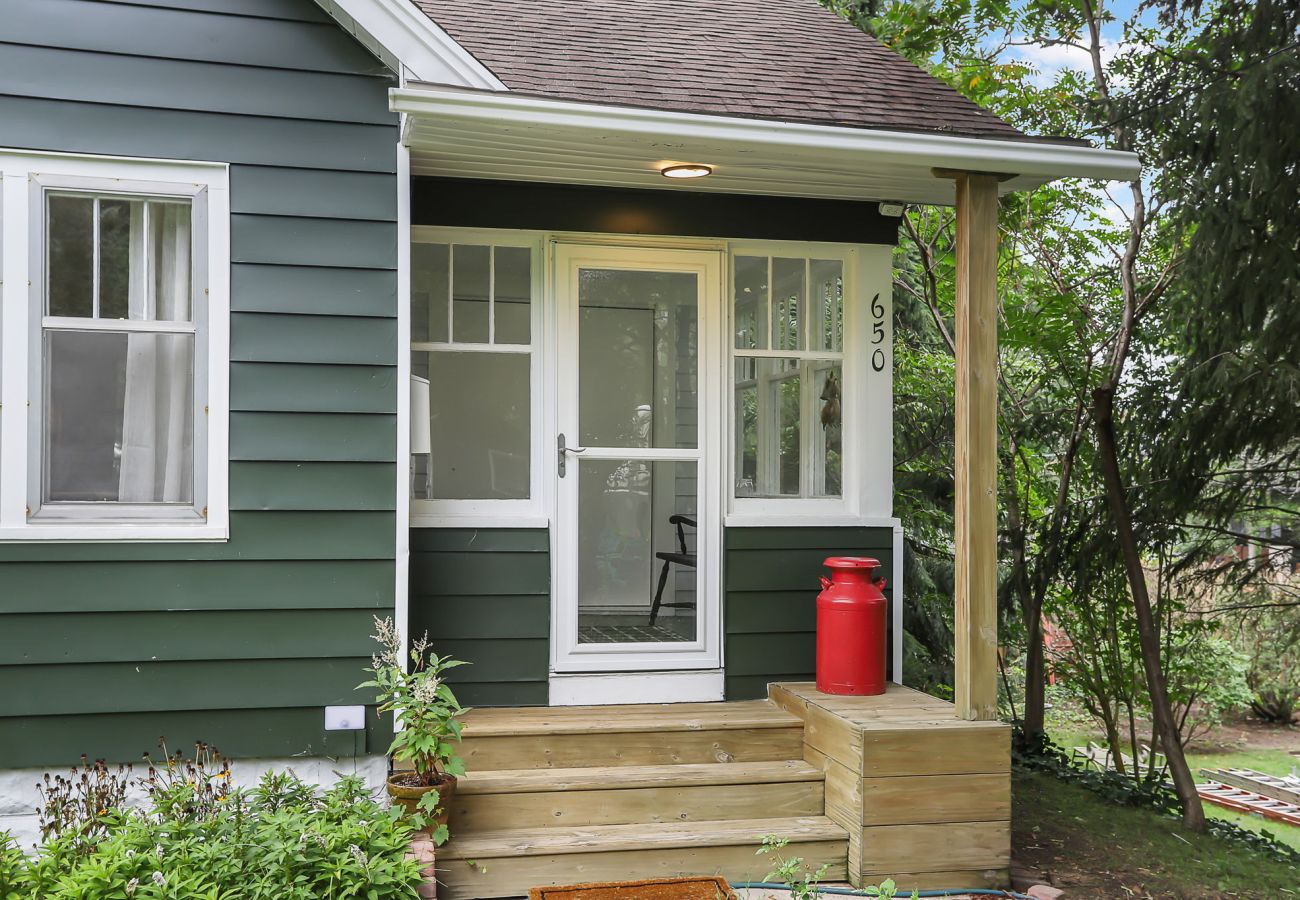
{"type": "Point", "coordinates": [423, 702]}
{"type": "Point", "coordinates": [790, 870]}
{"type": "Point", "coordinates": [887, 890]}
{"type": "Point", "coordinates": [284, 840]}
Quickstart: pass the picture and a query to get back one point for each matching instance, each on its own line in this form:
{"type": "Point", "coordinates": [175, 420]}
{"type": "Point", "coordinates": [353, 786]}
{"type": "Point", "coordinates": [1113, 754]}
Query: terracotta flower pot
{"type": "Point", "coordinates": [405, 792]}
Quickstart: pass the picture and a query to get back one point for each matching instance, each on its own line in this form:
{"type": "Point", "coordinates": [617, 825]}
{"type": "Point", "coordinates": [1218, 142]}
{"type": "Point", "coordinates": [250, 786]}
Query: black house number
{"type": "Point", "coordinates": [877, 333]}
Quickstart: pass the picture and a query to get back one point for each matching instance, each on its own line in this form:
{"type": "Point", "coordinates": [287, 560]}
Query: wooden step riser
{"type": "Point", "coordinates": [564, 809]}
{"type": "Point", "coordinates": [540, 751]}
{"type": "Point", "coordinates": [460, 879]}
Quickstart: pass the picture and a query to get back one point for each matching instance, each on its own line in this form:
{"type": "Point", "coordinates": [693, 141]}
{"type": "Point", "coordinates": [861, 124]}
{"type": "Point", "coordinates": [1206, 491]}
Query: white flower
{"type": "Point", "coordinates": [426, 690]}
{"type": "Point", "coordinates": [131, 886]}
{"type": "Point", "coordinates": [159, 879]}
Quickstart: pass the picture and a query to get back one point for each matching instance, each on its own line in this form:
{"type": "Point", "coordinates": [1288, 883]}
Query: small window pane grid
{"type": "Point", "coordinates": [117, 352]}
{"type": "Point", "coordinates": [788, 368]}
{"type": "Point", "coordinates": [471, 372]}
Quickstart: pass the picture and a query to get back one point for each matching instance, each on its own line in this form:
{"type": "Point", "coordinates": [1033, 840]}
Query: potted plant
{"type": "Point", "coordinates": [430, 716]}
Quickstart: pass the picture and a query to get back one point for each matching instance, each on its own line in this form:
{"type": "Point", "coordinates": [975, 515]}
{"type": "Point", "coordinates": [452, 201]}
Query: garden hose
{"type": "Point", "coordinates": [901, 895]}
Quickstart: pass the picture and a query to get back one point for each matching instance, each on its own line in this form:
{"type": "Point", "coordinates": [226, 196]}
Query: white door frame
{"type": "Point", "coordinates": [704, 653]}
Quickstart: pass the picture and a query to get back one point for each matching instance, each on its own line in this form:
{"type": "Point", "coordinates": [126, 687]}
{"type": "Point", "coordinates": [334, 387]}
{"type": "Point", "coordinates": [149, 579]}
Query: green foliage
{"type": "Point", "coordinates": [790, 870]}
{"type": "Point", "coordinates": [282, 840]}
{"type": "Point", "coordinates": [1270, 639]}
{"type": "Point", "coordinates": [422, 700]}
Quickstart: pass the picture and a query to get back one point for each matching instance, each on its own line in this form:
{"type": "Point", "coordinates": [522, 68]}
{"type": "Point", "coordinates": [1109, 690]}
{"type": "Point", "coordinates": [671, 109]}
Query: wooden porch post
{"type": "Point", "coordinates": [975, 471]}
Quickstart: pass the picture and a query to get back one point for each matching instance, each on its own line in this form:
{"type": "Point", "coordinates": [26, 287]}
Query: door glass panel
{"type": "Point", "coordinates": [629, 551]}
{"type": "Point", "coordinates": [638, 358]}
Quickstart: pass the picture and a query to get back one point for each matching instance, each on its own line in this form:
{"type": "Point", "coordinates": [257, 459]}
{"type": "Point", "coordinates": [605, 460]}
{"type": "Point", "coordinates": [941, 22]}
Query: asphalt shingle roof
{"type": "Point", "coordinates": [789, 60]}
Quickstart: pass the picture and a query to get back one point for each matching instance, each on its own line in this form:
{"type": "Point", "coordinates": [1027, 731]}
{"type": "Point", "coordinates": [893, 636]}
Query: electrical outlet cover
{"type": "Point", "coordinates": [345, 718]}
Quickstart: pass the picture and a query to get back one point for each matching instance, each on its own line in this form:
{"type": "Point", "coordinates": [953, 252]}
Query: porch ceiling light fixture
{"type": "Point", "coordinates": [688, 170]}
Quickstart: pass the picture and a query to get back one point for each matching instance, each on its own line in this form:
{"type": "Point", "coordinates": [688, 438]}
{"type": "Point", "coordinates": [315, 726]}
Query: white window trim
{"type": "Point", "coordinates": [532, 512]}
{"type": "Point", "coordinates": [23, 178]}
{"type": "Point", "coordinates": [866, 394]}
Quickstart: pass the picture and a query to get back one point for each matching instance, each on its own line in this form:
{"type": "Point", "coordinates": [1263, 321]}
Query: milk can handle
{"type": "Point", "coordinates": [826, 582]}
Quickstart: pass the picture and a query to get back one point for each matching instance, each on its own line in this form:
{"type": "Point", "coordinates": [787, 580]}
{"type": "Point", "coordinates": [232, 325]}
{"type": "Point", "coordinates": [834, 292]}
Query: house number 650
{"type": "Point", "coordinates": [877, 333]}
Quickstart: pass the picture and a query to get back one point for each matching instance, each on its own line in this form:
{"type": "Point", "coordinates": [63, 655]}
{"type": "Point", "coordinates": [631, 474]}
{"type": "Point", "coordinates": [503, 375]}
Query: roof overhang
{"type": "Point", "coordinates": [459, 133]}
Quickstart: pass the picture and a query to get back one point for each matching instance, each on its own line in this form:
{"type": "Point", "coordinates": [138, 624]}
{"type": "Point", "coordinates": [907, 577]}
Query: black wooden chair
{"type": "Point", "coordinates": [684, 558]}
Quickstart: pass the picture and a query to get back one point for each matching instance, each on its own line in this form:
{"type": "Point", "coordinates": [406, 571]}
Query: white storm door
{"type": "Point", "coordinates": [637, 458]}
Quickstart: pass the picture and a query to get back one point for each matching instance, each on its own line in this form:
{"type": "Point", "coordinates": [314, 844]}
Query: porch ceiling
{"type": "Point", "coordinates": [460, 133]}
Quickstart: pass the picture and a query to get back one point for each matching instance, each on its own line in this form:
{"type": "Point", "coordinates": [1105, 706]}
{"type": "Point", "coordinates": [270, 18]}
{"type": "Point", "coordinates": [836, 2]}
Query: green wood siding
{"type": "Point", "coordinates": [107, 646]}
{"type": "Point", "coordinates": [770, 599]}
{"type": "Point", "coordinates": [484, 596]}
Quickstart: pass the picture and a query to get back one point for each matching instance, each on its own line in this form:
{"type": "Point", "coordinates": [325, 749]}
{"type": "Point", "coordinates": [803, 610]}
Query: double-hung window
{"type": "Point", "coordinates": [475, 318]}
{"type": "Point", "coordinates": [120, 355]}
{"type": "Point", "coordinates": [805, 385]}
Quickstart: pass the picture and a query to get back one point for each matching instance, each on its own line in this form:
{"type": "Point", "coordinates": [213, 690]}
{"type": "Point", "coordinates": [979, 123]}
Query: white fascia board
{"type": "Point", "coordinates": [416, 41]}
{"type": "Point", "coordinates": [882, 148]}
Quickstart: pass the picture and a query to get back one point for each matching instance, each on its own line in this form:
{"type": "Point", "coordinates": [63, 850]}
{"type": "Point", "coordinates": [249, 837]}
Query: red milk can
{"type": "Point", "coordinates": [851, 615]}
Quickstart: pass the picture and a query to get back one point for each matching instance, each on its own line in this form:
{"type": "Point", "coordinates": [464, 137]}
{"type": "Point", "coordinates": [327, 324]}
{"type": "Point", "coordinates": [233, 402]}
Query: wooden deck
{"type": "Point", "coordinates": [892, 786]}
{"type": "Point", "coordinates": [924, 796]}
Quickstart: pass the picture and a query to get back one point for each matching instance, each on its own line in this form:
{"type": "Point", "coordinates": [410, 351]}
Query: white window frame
{"type": "Point", "coordinates": [866, 490]}
{"type": "Point", "coordinates": [25, 177]}
{"type": "Point", "coordinates": [489, 513]}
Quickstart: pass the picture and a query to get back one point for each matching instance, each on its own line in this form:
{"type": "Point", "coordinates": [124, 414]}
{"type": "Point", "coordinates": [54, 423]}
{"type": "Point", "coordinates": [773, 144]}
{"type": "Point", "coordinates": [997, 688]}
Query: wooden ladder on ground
{"type": "Point", "coordinates": [562, 795]}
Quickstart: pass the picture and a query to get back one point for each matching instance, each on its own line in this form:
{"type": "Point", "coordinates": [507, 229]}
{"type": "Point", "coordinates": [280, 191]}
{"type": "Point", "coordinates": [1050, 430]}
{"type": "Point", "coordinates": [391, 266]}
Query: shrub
{"type": "Point", "coordinates": [283, 839]}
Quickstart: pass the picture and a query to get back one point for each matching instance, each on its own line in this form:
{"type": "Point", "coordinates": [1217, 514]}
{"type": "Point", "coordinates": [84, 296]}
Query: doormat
{"type": "Point", "coordinates": [650, 889]}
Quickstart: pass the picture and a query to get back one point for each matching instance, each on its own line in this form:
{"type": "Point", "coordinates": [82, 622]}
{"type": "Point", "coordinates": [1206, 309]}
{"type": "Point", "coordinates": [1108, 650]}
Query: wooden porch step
{"type": "Point", "coordinates": [507, 863]}
{"type": "Point", "coordinates": [639, 735]}
{"type": "Point", "coordinates": [618, 795]}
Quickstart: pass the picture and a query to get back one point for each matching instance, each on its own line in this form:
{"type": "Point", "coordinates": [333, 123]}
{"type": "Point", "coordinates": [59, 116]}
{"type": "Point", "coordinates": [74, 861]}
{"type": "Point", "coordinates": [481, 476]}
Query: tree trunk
{"type": "Point", "coordinates": [1103, 407]}
{"type": "Point", "coordinates": [1035, 673]}
{"type": "Point", "coordinates": [1031, 605]}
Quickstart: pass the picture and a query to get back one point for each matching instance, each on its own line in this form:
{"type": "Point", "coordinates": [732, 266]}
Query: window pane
{"type": "Point", "coordinates": [768, 426]}
{"type": "Point", "coordinates": [827, 313]}
{"type": "Point", "coordinates": [119, 417]}
{"type": "Point", "coordinates": [70, 254]}
{"type": "Point", "coordinates": [470, 268]}
{"type": "Point", "coordinates": [115, 225]}
{"type": "Point", "coordinates": [169, 263]}
{"type": "Point", "coordinates": [430, 271]}
{"type": "Point", "coordinates": [512, 293]}
{"type": "Point", "coordinates": [479, 418]}
{"type": "Point", "coordinates": [630, 552]}
{"type": "Point", "coordinates": [751, 302]}
{"type": "Point", "coordinates": [827, 455]}
{"type": "Point", "coordinates": [638, 358]}
{"type": "Point", "coordinates": [788, 427]}
{"type": "Point", "coordinates": [787, 304]}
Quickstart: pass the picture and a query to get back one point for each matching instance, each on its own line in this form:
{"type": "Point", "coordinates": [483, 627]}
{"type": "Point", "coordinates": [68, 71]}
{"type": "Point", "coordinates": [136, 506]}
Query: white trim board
{"type": "Point", "coordinates": [501, 135]}
{"type": "Point", "coordinates": [408, 41]}
{"type": "Point", "coordinates": [579, 689]}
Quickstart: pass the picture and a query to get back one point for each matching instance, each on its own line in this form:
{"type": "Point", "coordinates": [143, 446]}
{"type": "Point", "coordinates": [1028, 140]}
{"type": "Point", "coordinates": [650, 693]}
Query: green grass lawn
{"type": "Point", "coordinates": [1273, 762]}
{"type": "Point", "coordinates": [1092, 848]}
